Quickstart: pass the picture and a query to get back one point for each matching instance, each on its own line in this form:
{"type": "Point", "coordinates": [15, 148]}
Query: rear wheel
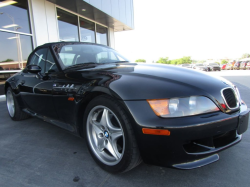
{"type": "Point", "coordinates": [13, 107]}
{"type": "Point", "coordinates": [109, 135]}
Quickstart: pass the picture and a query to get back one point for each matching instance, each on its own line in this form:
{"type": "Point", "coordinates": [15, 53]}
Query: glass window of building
{"type": "Point", "coordinates": [14, 50]}
{"type": "Point", "coordinates": [101, 35]}
{"type": "Point", "coordinates": [14, 47]}
{"type": "Point", "coordinates": [68, 26]}
{"type": "Point", "coordinates": [87, 30]}
{"type": "Point", "coordinates": [14, 16]}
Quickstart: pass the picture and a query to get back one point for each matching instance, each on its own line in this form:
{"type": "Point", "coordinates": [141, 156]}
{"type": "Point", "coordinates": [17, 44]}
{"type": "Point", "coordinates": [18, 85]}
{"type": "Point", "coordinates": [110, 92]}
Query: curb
{"type": "Point", "coordinates": [2, 98]}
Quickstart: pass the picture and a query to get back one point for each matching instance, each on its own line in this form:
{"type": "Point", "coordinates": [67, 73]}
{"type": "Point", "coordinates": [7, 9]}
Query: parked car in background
{"type": "Point", "coordinates": [237, 65]}
{"type": "Point", "coordinates": [185, 65]}
{"type": "Point", "coordinates": [128, 112]}
{"type": "Point", "coordinates": [243, 65]}
{"type": "Point", "coordinates": [248, 65]}
{"type": "Point", "coordinates": [213, 66]}
{"type": "Point", "coordinates": [223, 67]}
{"type": "Point", "coordinates": [201, 67]}
{"type": "Point", "coordinates": [230, 65]}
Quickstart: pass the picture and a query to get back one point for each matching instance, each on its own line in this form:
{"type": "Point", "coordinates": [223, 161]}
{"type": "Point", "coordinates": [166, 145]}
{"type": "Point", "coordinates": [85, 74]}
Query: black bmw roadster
{"type": "Point", "coordinates": [128, 112]}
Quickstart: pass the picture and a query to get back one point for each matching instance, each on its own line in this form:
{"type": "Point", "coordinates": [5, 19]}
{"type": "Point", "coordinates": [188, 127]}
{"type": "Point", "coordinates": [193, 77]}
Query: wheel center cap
{"type": "Point", "coordinates": [106, 134]}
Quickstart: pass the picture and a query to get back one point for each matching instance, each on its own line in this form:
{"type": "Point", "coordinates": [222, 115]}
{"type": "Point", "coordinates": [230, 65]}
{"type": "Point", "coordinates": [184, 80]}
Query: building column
{"type": "Point", "coordinates": [44, 22]}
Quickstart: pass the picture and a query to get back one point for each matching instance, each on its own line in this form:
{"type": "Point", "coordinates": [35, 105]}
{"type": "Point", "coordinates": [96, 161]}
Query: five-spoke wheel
{"type": "Point", "coordinates": [105, 135]}
{"type": "Point", "coordinates": [109, 135]}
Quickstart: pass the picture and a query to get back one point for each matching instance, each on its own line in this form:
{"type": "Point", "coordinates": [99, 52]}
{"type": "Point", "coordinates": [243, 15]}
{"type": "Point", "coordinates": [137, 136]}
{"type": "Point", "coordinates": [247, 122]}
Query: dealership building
{"type": "Point", "coordinates": [26, 24]}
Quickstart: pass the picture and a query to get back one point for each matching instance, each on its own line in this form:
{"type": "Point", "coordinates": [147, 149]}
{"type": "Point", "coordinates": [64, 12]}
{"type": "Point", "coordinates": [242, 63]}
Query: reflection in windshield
{"type": "Point", "coordinates": [77, 54]}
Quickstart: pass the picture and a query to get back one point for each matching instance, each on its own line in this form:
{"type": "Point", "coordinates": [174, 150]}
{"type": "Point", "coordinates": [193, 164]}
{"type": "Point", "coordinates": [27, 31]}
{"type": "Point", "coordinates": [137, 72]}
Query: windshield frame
{"type": "Point", "coordinates": [56, 48]}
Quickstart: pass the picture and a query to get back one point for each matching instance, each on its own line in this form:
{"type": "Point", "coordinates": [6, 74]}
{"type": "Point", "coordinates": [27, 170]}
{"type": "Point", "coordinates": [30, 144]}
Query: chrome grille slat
{"type": "Point", "coordinates": [230, 98]}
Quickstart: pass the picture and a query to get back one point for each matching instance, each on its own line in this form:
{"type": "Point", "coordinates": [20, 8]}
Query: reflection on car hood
{"type": "Point", "coordinates": [157, 81]}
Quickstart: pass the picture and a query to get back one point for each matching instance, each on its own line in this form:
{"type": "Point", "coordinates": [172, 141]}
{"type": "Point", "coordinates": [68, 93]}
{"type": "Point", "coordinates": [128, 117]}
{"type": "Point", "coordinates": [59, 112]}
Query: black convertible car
{"type": "Point", "coordinates": [128, 112]}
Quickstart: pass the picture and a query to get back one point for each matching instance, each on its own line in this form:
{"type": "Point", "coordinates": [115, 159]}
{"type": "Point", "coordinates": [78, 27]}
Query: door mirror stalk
{"type": "Point", "coordinates": [34, 69]}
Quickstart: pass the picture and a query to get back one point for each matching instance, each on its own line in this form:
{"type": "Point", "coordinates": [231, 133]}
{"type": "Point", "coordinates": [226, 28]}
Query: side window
{"type": "Point", "coordinates": [38, 58]}
{"type": "Point", "coordinates": [50, 63]}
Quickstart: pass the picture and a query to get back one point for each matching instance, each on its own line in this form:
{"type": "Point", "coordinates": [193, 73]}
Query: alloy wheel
{"type": "Point", "coordinates": [10, 103]}
{"type": "Point", "coordinates": [105, 135]}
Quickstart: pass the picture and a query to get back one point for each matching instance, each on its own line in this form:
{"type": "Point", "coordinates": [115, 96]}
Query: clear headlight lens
{"type": "Point", "coordinates": [179, 107]}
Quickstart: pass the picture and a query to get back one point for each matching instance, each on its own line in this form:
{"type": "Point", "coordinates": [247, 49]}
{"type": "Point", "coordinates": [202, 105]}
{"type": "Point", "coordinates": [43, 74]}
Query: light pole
{"type": "Point", "coordinates": [18, 42]}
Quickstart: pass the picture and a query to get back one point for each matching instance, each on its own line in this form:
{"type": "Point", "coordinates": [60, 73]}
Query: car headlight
{"type": "Point", "coordinates": [179, 107]}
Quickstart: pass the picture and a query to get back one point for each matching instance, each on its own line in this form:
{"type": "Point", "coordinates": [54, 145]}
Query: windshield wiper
{"type": "Point", "coordinates": [120, 61]}
{"type": "Point", "coordinates": [82, 64]}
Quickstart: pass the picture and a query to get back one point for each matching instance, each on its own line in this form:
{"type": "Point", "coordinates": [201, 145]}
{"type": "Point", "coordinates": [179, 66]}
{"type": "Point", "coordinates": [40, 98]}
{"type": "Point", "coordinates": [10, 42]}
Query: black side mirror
{"type": "Point", "coordinates": [33, 69]}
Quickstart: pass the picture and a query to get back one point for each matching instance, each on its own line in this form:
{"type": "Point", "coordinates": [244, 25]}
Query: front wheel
{"type": "Point", "coordinates": [109, 134]}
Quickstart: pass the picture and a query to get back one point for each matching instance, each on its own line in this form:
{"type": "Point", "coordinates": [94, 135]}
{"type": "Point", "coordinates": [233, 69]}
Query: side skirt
{"type": "Point", "coordinates": [61, 124]}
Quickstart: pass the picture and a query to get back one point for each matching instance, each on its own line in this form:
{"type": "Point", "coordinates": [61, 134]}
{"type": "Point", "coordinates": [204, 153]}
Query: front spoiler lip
{"type": "Point", "coordinates": [198, 163]}
{"type": "Point", "coordinates": [215, 150]}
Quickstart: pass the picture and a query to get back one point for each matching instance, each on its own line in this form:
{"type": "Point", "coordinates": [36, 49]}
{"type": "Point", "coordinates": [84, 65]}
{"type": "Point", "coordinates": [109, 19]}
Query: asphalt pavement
{"type": "Point", "coordinates": [35, 153]}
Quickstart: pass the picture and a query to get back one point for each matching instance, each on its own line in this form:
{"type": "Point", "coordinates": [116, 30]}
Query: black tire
{"type": "Point", "coordinates": [131, 156]}
{"type": "Point", "coordinates": [18, 113]}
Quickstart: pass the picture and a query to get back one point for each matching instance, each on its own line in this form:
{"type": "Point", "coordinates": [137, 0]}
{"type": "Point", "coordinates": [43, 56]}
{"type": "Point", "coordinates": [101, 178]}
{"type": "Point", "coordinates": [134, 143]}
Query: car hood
{"type": "Point", "coordinates": [131, 81]}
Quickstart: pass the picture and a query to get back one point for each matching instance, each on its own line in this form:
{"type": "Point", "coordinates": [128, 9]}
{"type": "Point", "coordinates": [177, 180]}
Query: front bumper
{"type": "Point", "coordinates": [216, 68]}
{"type": "Point", "coordinates": [194, 141]}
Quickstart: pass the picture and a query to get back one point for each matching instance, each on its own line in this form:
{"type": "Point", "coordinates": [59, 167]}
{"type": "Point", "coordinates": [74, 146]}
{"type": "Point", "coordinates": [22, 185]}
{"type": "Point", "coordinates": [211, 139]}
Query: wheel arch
{"type": "Point", "coordinates": [83, 105]}
{"type": "Point", "coordinates": [6, 85]}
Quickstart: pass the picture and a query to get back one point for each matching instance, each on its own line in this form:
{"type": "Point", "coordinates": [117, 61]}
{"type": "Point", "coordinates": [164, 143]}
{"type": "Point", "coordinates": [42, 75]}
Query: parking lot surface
{"type": "Point", "coordinates": [36, 153]}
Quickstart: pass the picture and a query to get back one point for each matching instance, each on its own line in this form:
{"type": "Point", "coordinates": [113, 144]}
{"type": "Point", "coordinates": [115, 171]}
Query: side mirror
{"type": "Point", "coordinates": [34, 69]}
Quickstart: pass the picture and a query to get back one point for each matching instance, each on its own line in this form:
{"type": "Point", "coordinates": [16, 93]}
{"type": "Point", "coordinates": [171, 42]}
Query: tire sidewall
{"type": "Point", "coordinates": [14, 100]}
{"type": "Point", "coordinates": [107, 102]}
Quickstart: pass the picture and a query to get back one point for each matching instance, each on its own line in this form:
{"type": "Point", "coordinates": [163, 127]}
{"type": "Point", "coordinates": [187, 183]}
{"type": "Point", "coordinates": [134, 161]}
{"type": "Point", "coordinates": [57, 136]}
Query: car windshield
{"type": "Point", "coordinates": [78, 54]}
{"type": "Point", "coordinates": [213, 64]}
{"type": "Point", "coordinates": [185, 64]}
{"type": "Point", "coordinates": [199, 65]}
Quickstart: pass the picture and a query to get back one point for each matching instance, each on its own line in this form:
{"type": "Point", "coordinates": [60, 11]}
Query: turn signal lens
{"type": "Point", "coordinates": [159, 106]}
{"type": "Point", "coordinates": [71, 99]}
{"type": "Point", "coordinates": [156, 131]}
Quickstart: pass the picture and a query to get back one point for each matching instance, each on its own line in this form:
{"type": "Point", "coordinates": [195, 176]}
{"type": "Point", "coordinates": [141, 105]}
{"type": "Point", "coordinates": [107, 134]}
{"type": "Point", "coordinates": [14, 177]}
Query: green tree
{"type": "Point", "coordinates": [8, 60]}
{"type": "Point", "coordinates": [141, 60]}
{"type": "Point", "coordinates": [246, 55]}
{"type": "Point", "coordinates": [184, 60]}
{"type": "Point", "coordinates": [164, 61]}
{"type": "Point", "coordinates": [174, 62]}
{"type": "Point", "coordinates": [224, 62]}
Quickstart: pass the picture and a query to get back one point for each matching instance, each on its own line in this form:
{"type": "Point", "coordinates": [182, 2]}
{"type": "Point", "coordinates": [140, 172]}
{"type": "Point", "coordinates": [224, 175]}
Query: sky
{"type": "Point", "coordinates": [202, 29]}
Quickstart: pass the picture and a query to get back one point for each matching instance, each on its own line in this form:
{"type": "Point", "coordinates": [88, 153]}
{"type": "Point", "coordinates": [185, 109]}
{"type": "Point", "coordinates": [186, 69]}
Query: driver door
{"type": "Point", "coordinates": [36, 88]}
